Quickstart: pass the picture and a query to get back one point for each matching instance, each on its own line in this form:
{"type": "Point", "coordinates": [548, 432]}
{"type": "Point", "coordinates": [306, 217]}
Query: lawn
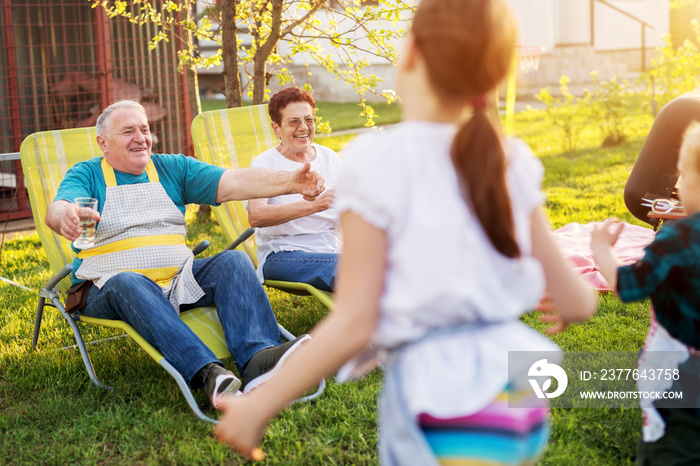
{"type": "Point", "coordinates": [50, 412]}
{"type": "Point", "coordinates": [341, 116]}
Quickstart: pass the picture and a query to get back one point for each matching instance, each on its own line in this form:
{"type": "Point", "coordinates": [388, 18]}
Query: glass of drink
{"type": "Point", "coordinates": [85, 206]}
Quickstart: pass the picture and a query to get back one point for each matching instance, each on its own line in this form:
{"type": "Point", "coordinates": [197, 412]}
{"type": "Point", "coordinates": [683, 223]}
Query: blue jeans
{"type": "Point", "coordinates": [229, 282]}
{"type": "Point", "coordinates": [316, 269]}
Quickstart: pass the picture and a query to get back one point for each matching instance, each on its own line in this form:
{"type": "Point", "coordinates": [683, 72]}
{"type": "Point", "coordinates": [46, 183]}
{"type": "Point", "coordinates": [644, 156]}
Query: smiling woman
{"type": "Point", "coordinates": [296, 130]}
{"type": "Point", "coordinates": [297, 240]}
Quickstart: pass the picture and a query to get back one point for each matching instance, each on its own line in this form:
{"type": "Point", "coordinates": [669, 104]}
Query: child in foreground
{"type": "Point", "coordinates": [445, 246]}
{"type": "Point", "coordinates": [669, 274]}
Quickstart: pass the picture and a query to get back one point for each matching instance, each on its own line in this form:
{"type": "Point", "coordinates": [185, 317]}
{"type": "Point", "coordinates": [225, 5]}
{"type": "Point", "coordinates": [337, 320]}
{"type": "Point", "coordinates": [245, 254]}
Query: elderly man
{"type": "Point", "coordinates": [140, 269]}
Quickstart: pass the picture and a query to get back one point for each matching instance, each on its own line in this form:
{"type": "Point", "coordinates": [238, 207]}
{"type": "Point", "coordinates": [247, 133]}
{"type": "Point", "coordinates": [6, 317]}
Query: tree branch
{"type": "Point", "coordinates": [317, 6]}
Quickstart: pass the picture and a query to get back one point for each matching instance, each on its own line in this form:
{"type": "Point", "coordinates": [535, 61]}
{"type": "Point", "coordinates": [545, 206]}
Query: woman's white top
{"type": "Point", "coordinates": [442, 270]}
{"type": "Point", "coordinates": [317, 232]}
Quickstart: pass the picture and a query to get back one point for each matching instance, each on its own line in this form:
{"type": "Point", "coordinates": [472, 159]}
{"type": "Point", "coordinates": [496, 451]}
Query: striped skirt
{"type": "Point", "coordinates": [496, 435]}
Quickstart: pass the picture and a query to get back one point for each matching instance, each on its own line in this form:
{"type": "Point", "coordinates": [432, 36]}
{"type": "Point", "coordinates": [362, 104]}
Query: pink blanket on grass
{"type": "Point", "coordinates": [574, 240]}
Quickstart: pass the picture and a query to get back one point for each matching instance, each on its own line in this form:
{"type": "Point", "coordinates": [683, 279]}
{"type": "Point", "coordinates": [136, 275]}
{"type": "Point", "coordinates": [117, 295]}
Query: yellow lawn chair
{"type": "Point", "coordinates": [231, 138]}
{"type": "Point", "coordinates": [46, 157]}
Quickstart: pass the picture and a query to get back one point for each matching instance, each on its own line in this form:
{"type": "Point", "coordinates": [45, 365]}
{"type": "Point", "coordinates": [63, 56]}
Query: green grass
{"type": "Point", "coordinates": [51, 414]}
{"type": "Point", "coordinates": [342, 116]}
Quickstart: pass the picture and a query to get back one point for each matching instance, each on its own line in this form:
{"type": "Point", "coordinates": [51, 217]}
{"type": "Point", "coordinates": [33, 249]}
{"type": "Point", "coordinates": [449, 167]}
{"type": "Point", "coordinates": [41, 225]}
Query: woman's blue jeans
{"type": "Point", "coordinates": [229, 282]}
{"type": "Point", "coordinates": [316, 269]}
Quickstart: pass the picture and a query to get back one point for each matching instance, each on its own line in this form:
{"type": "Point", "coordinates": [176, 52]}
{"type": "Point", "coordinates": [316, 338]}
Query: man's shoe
{"type": "Point", "coordinates": [265, 363]}
{"type": "Point", "coordinates": [219, 382]}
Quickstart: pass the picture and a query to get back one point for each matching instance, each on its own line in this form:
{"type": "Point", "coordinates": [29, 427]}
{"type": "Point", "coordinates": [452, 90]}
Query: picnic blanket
{"type": "Point", "coordinates": [574, 240]}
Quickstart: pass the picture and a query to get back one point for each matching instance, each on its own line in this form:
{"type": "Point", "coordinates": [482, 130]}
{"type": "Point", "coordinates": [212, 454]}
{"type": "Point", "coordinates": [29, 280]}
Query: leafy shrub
{"type": "Point", "coordinates": [557, 111]}
{"type": "Point", "coordinates": [675, 71]}
{"type": "Point", "coordinates": [606, 108]}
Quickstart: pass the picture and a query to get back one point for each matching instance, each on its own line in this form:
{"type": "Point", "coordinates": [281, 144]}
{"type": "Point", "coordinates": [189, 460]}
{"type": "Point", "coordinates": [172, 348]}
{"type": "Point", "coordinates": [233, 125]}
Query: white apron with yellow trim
{"type": "Point", "coordinates": [141, 230]}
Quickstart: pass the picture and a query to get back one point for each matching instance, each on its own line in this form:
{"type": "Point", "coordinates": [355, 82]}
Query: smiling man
{"type": "Point", "coordinates": [297, 241]}
{"type": "Point", "coordinates": [141, 270]}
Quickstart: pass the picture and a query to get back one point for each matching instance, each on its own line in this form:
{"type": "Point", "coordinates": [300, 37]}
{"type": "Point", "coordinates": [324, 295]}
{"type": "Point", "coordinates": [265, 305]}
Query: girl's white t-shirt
{"type": "Point", "coordinates": [317, 232]}
{"type": "Point", "coordinates": [442, 270]}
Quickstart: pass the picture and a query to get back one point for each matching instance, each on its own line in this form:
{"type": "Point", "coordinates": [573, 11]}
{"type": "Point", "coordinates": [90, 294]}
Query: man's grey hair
{"type": "Point", "coordinates": [103, 119]}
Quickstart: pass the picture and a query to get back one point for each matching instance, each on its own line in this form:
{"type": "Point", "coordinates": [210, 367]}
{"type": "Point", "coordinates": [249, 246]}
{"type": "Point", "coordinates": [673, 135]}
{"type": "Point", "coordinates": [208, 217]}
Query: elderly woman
{"type": "Point", "coordinates": [297, 240]}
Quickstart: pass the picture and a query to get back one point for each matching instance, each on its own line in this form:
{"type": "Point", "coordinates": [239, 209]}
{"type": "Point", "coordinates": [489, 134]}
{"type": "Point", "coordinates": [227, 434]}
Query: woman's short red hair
{"type": "Point", "coordinates": [287, 96]}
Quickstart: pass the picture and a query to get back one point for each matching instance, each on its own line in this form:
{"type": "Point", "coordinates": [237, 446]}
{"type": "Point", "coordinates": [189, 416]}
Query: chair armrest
{"type": "Point", "coordinates": [244, 236]}
{"type": "Point", "coordinates": [63, 273]}
{"type": "Point", "coordinates": [200, 247]}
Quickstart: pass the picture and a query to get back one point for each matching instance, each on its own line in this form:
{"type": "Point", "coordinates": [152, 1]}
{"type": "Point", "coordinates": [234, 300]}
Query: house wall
{"type": "Point", "coordinates": [615, 31]}
{"type": "Point", "coordinates": [550, 24]}
{"type": "Point", "coordinates": [572, 22]}
{"type": "Point", "coordinates": [536, 22]}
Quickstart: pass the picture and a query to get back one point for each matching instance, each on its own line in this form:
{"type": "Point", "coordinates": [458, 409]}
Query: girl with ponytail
{"type": "Point", "coordinates": [445, 246]}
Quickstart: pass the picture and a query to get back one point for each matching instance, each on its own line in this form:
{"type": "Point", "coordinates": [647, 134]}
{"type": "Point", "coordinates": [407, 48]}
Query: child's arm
{"type": "Point", "coordinates": [346, 331]}
{"type": "Point", "coordinates": [603, 238]}
{"type": "Point", "coordinates": [574, 299]}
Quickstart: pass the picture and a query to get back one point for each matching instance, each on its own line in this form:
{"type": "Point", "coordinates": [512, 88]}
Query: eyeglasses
{"type": "Point", "coordinates": [309, 121]}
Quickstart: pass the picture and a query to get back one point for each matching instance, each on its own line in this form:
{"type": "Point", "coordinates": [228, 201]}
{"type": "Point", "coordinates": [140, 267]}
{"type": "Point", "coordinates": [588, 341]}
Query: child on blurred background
{"type": "Point", "coordinates": [445, 246]}
{"type": "Point", "coordinates": [669, 274]}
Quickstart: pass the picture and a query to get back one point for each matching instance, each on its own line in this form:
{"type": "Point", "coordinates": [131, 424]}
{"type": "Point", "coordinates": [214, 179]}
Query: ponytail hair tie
{"type": "Point", "coordinates": [479, 101]}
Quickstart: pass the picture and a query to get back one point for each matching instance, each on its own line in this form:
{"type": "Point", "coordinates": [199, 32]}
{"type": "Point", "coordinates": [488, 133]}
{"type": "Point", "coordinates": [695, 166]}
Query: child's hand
{"type": "Point", "coordinates": [603, 238]}
{"type": "Point", "coordinates": [605, 234]}
{"type": "Point", "coordinates": [550, 315]}
{"type": "Point", "coordinates": [241, 427]}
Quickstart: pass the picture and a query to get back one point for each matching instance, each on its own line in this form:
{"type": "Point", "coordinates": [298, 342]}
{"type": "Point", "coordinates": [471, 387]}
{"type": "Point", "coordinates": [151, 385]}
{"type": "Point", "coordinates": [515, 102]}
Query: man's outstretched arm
{"type": "Point", "coordinates": [253, 183]}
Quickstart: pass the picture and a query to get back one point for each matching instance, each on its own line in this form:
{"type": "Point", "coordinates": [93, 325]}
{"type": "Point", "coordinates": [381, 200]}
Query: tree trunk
{"type": "Point", "coordinates": [229, 53]}
{"type": "Point", "coordinates": [263, 53]}
{"type": "Point", "coordinates": [259, 71]}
